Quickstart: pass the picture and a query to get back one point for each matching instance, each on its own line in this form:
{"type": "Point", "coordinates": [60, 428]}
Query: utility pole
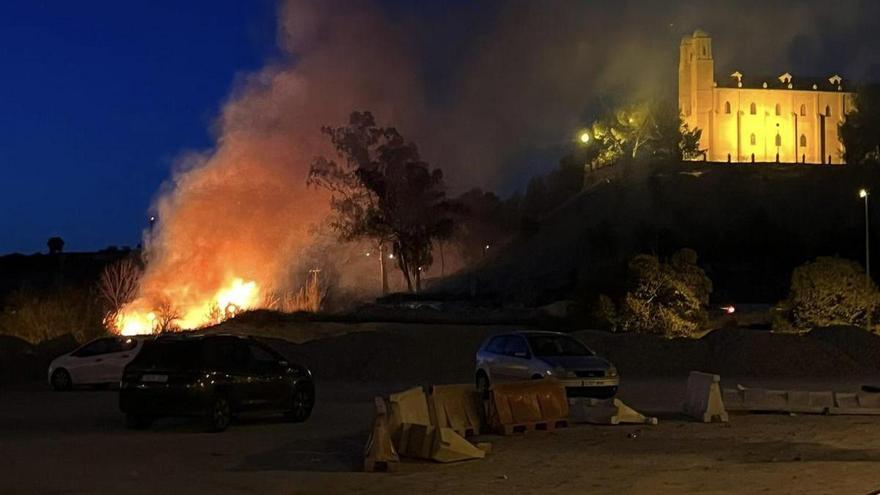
{"type": "Point", "coordinates": [863, 193]}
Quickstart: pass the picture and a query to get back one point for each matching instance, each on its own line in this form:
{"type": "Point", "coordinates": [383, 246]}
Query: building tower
{"type": "Point", "coordinates": [696, 80]}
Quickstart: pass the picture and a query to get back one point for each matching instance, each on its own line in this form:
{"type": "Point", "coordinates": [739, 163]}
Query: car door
{"type": "Point", "coordinates": [227, 361]}
{"type": "Point", "coordinates": [119, 352]}
{"type": "Point", "coordinates": [88, 365]}
{"type": "Point", "coordinates": [494, 359]}
{"type": "Point", "coordinates": [270, 384]}
{"type": "Point", "coordinates": [518, 358]}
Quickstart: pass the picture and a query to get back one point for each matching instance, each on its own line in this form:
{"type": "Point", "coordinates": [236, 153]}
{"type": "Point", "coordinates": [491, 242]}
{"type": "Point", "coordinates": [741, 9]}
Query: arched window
{"type": "Point", "coordinates": [827, 111]}
{"type": "Point", "coordinates": [753, 109]}
{"type": "Point", "coordinates": [803, 141]}
{"type": "Point", "coordinates": [778, 140]}
{"type": "Point", "coordinates": [778, 109]}
{"type": "Point", "coordinates": [753, 139]}
{"type": "Point", "coordinates": [726, 107]}
{"type": "Point", "coordinates": [803, 110]}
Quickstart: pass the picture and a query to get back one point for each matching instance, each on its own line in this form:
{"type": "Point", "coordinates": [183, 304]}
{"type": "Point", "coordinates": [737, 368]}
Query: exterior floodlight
{"type": "Point", "coordinates": [585, 137]}
{"type": "Point", "coordinates": [863, 193]}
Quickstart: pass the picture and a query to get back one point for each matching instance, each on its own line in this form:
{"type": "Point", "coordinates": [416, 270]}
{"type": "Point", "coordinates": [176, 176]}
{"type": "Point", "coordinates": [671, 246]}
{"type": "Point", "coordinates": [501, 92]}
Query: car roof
{"type": "Point", "coordinates": [198, 336]}
{"type": "Point", "coordinates": [528, 333]}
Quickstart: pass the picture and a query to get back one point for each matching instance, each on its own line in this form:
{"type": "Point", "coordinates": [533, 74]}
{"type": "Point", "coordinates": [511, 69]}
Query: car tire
{"type": "Point", "coordinates": [301, 404]}
{"type": "Point", "coordinates": [61, 380]}
{"type": "Point", "coordinates": [482, 383]}
{"type": "Point", "coordinates": [219, 414]}
{"type": "Point", "coordinates": [137, 421]}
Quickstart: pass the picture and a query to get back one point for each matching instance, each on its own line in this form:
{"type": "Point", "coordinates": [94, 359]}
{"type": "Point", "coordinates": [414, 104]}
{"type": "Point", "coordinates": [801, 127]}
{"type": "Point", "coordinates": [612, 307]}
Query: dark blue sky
{"type": "Point", "coordinates": [98, 97]}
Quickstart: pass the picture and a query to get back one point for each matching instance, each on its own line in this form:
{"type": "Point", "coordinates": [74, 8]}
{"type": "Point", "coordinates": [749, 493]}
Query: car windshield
{"type": "Point", "coordinates": [557, 345]}
{"type": "Point", "coordinates": [170, 355]}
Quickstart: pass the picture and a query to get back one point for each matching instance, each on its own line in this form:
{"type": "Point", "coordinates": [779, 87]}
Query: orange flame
{"type": "Point", "coordinates": [138, 318]}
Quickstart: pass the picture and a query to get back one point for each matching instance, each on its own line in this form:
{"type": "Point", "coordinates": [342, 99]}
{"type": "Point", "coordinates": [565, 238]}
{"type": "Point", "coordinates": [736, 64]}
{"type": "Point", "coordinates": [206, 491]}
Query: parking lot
{"type": "Point", "coordinates": [75, 442]}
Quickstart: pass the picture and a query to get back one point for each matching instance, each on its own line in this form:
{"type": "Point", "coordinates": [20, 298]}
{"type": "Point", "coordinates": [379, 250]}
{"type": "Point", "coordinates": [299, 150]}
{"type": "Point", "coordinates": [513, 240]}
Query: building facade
{"type": "Point", "coordinates": [760, 119]}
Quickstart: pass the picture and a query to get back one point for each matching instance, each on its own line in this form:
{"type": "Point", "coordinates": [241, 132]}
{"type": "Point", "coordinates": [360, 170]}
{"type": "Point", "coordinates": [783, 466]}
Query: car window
{"type": "Point", "coordinates": [516, 345]}
{"type": "Point", "coordinates": [496, 345]}
{"type": "Point", "coordinates": [99, 346]}
{"type": "Point", "coordinates": [127, 344]}
{"type": "Point", "coordinates": [261, 355]}
{"type": "Point", "coordinates": [219, 353]}
{"type": "Point", "coordinates": [121, 344]}
{"type": "Point", "coordinates": [557, 345]}
{"type": "Point", "coordinates": [170, 355]}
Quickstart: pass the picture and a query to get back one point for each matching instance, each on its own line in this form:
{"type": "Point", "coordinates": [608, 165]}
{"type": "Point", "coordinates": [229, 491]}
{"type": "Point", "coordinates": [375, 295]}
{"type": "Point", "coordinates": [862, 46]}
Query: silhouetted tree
{"type": "Point", "coordinates": [118, 286]}
{"type": "Point", "coordinates": [55, 244]}
{"type": "Point", "coordinates": [643, 130]}
{"type": "Point", "coordinates": [382, 190]}
{"type": "Point", "coordinates": [860, 132]}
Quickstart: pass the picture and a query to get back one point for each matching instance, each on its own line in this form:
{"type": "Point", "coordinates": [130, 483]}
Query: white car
{"type": "Point", "coordinates": [97, 362]}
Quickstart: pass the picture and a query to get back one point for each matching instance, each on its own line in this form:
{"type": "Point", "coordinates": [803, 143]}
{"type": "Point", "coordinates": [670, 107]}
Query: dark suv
{"type": "Point", "coordinates": [214, 377]}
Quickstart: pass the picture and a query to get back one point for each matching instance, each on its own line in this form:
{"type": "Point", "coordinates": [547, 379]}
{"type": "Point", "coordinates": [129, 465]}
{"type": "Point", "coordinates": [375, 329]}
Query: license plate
{"type": "Point", "coordinates": [154, 378]}
{"type": "Point", "coordinates": [593, 383]}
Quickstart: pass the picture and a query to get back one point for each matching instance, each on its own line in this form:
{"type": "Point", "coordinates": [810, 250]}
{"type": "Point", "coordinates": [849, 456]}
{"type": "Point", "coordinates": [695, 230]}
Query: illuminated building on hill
{"type": "Point", "coordinates": [762, 119]}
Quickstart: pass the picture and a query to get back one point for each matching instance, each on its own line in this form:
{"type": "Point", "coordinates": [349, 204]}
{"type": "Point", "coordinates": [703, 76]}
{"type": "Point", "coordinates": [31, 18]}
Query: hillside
{"type": "Point", "coordinates": [750, 223]}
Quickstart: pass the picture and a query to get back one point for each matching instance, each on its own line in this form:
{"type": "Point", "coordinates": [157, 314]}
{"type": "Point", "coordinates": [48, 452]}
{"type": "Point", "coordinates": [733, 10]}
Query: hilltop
{"type": "Point", "coordinates": [751, 224]}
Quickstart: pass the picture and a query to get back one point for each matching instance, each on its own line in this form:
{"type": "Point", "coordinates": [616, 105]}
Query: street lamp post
{"type": "Point", "coordinates": [863, 193]}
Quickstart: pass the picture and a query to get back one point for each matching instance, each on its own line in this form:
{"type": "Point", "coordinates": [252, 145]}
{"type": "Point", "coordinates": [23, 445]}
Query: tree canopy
{"type": "Point", "coordinates": [382, 190]}
{"type": "Point", "coordinates": [860, 132]}
{"type": "Point", "coordinates": [646, 129]}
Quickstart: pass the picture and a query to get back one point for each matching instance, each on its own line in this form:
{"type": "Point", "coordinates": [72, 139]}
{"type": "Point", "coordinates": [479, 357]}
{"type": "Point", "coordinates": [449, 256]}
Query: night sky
{"type": "Point", "coordinates": [99, 99]}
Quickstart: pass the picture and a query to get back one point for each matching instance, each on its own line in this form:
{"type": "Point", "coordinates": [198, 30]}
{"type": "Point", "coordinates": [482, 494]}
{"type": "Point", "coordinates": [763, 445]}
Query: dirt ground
{"type": "Point", "coordinates": [75, 443]}
{"type": "Point", "coordinates": [70, 443]}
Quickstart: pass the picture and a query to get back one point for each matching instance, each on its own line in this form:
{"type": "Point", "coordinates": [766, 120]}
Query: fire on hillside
{"type": "Point", "coordinates": [139, 317]}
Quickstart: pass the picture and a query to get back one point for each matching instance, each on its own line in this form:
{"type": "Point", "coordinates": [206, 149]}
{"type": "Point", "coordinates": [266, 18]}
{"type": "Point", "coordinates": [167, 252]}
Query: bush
{"type": "Point", "coordinates": [38, 318]}
{"type": "Point", "coordinates": [666, 299]}
{"type": "Point", "coordinates": [603, 314]}
{"type": "Point", "coordinates": [829, 291]}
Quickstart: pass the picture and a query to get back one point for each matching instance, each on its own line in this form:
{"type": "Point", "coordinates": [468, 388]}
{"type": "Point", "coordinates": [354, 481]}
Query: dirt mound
{"type": "Point", "coordinates": [423, 353]}
{"type": "Point", "coordinates": [393, 352]}
{"type": "Point", "coordinates": [861, 346]}
{"type": "Point", "coordinates": [21, 361]}
{"type": "Point", "coordinates": [742, 353]}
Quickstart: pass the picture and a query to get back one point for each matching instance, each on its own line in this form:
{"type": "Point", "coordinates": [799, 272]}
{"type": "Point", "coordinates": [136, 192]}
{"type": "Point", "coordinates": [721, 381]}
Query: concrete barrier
{"type": "Point", "coordinates": [703, 398]}
{"type": "Point", "coordinates": [409, 406]}
{"type": "Point", "coordinates": [801, 401]}
{"type": "Point", "coordinates": [606, 412]}
{"type": "Point", "coordinates": [458, 407]}
{"type": "Point", "coordinates": [435, 443]}
{"type": "Point", "coordinates": [379, 452]}
{"type": "Point", "coordinates": [528, 405]}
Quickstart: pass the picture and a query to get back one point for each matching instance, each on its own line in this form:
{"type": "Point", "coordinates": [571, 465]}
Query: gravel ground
{"type": "Point", "coordinates": [75, 443]}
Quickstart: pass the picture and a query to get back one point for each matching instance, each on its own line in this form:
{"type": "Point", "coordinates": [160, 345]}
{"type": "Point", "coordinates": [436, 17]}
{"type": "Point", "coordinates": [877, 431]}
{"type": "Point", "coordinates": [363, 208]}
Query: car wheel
{"type": "Point", "coordinates": [219, 414]}
{"type": "Point", "coordinates": [301, 405]}
{"type": "Point", "coordinates": [137, 421]}
{"type": "Point", "coordinates": [61, 380]}
{"type": "Point", "coordinates": [483, 385]}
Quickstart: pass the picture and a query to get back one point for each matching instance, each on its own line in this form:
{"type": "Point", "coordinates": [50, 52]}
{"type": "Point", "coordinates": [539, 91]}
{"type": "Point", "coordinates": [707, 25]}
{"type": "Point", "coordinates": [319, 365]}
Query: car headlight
{"type": "Point", "coordinates": [612, 372]}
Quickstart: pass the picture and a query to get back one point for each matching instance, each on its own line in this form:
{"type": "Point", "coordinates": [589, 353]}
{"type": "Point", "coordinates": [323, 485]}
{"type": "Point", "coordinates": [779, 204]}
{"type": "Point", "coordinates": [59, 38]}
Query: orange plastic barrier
{"type": "Point", "coordinates": [458, 407]}
{"type": "Point", "coordinates": [528, 405]}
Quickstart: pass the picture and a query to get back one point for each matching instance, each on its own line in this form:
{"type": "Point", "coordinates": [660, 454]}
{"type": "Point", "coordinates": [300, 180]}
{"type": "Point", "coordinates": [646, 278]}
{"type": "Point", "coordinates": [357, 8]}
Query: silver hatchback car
{"type": "Point", "coordinates": [528, 355]}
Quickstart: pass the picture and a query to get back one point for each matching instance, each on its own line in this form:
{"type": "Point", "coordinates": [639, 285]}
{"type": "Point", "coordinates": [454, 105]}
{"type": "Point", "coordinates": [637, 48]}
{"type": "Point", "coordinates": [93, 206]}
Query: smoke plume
{"type": "Point", "coordinates": [489, 92]}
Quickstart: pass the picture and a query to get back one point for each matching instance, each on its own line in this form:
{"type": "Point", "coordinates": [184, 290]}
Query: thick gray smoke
{"type": "Point", "coordinates": [480, 88]}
